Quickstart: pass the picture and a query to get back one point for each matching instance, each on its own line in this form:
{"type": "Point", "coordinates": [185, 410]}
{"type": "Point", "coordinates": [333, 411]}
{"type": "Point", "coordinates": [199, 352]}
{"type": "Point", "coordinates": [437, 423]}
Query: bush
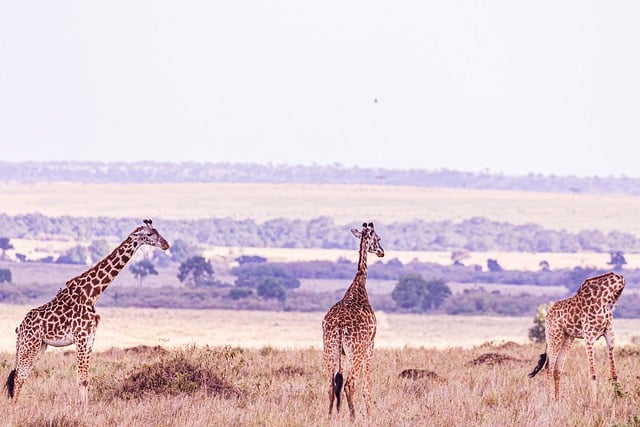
{"type": "Point", "coordinates": [271, 288]}
{"type": "Point", "coordinates": [414, 292]}
{"type": "Point", "coordinates": [253, 275]}
{"type": "Point", "coordinates": [240, 292]}
{"type": "Point", "coordinates": [196, 271]}
{"type": "Point", "coordinates": [536, 332]}
{"type": "Point", "coordinates": [5, 275]}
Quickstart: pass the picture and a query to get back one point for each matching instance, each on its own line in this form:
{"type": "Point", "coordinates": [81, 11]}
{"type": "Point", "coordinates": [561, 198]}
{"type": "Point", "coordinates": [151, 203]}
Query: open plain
{"type": "Point", "coordinates": [346, 204]}
{"type": "Point", "coordinates": [159, 367]}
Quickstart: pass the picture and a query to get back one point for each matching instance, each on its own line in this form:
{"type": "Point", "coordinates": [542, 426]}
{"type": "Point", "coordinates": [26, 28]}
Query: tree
{"type": "Point", "coordinates": [180, 250]}
{"type": "Point", "coordinates": [493, 266]}
{"type": "Point", "coordinates": [409, 291]}
{"type": "Point", "coordinates": [253, 275]}
{"type": "Point", "coordinates": [5, 245]}
{"type": "Point", "coordinates": [271, 287]}
{"type": "Point", "coordinates": [196, 271]}
{"type": "Point", "coordinates": [238, 293]}
{"type": "Point", "coordinates": [250, 259]}
{"type": "Point", "coordinates": [98, 249]}
{"type": "Point", "coordinates": [617, 259]}
{"type": "Point", "coordinates": [75, 255]}
{"type": "Point", "coordinates": [458, 256]}
{"type": "Point", "coordinates": [437, 293]}
{"type": "Point", "coordinates": [142, 269]}
{"type": "Point", "coordinates": [544, 265]}
{"type": "Point", "coordinates": [414, 292]}
{"type": "Point", "coordinates": [5, 275]}
{"type": "Point", "coordinates": [536, 332]}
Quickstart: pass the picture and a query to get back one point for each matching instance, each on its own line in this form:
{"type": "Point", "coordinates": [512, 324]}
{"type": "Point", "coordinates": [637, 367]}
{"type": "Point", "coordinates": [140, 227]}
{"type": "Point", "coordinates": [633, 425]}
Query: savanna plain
{"type": "Point", "coordinates": [485, 385]}
{"type": "Point", "coordinates": [215, 367]}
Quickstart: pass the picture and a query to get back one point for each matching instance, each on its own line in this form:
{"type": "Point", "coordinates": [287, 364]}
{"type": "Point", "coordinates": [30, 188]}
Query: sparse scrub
{"type": "Point", "coordinates": [278, 387]}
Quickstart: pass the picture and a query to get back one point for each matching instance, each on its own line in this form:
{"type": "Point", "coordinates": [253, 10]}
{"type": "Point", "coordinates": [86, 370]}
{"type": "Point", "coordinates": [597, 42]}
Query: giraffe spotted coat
{"type": "Point", "coordinates": [349, 328]}
{"type": "Point", "coordinates": [588, 315]}
{"type": "Point", "coordinates": [70, 317]}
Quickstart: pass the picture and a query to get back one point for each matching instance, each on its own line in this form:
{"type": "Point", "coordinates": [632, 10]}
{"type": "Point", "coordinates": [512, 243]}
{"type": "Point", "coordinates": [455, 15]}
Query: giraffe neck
{"type": "Point", "coordinates": [92, 283]}
{"type": "Point", "coordinates": [359, 285]}
{"type": "Point", "coordinates": [362, 260]}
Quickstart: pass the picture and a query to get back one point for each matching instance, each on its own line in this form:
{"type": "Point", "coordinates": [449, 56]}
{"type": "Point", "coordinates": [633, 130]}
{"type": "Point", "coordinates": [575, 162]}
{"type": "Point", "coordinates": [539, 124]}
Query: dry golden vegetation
{"type": "Point", "coordinates": [346, 204]}
{"type": "Point", "coordinates": [486, 385]}
{"type": "Point", "coordinates": [170, 328]}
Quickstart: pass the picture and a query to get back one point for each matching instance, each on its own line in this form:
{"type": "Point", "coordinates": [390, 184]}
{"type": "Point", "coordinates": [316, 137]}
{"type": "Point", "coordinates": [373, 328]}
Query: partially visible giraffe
{"type": "Point", "coordinates": [70, 317]}
{"type": "Point", "coordinates": [589, 315]}
{"type": "Point", "coordinates": [349, 328]}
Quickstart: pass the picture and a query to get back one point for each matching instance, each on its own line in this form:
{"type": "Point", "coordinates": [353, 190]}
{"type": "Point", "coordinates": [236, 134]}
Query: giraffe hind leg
{"type": "Point", "coordinates": [366, 389]}
{"type": "Point", "coordinates": [27, 355]}
{"type": "Point", "coordinates": [355, 365]}
{"type": "Point", "coordinates": [332, 363]}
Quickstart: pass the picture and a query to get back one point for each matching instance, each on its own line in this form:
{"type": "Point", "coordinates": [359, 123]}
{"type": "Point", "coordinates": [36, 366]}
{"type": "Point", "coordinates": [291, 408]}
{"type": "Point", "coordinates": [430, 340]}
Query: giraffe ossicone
{"type": "Point", "coordinates": [349, 328]}
{"type": "Point", "coordinates": [589, 315]}
{"type": "Point", "coordinates": [70, 317]}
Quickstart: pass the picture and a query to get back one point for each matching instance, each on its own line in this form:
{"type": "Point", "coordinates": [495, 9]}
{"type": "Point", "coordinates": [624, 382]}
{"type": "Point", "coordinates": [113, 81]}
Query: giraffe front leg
{"type": "Point", "coordinates": [83, 358]}
{"type": "Point", "coordinates": [592, 367]}
{"type": "Point", "coordinates": [609, 337]}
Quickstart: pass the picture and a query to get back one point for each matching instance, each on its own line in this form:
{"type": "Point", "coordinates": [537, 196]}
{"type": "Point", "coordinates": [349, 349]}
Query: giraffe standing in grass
{"type": "Point", "coordinates": [70, 317]}
{"type": "Point", "coordinates": [589, 315]}
{"type": "Point", "coordinates": [349, 328]}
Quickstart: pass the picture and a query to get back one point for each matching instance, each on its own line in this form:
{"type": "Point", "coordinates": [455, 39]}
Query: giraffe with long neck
{"type": "Point", "coordinates": [70, 317]}
{"type": "Point", "coordinates": [349, 328]}
{"type": "Point", "coordinates": [589, 315]}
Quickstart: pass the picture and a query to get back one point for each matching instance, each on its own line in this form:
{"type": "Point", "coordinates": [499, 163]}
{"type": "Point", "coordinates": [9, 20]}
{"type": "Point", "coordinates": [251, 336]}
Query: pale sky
{"type": "Point", "coordinates": [512, 87]}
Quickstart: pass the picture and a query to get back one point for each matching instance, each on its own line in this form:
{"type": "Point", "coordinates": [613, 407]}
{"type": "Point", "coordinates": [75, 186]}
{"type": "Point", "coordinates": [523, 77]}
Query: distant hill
{"type": "Point", "coordinates": [164, 172]}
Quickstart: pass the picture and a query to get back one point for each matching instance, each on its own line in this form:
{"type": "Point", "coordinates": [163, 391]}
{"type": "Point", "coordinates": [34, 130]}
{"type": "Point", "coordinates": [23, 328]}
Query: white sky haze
{"type": "Point", "coordinates": [510, 87]}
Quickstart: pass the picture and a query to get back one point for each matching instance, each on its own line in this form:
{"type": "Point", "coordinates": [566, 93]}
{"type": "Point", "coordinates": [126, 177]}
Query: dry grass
{"type": "Point", "coordinates": [275, 387]}
{"type": "Point", "coordinates": [170, 328]}
{"type": "Point", "coordinates": [265, 368]}
{"type": "Point", "coordinates": [346, 204]}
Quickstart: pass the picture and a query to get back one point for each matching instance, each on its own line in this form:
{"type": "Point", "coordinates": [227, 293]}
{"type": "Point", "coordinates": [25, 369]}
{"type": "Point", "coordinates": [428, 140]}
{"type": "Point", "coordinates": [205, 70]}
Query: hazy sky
{"type": "Point", "coordinates": [548, 87]}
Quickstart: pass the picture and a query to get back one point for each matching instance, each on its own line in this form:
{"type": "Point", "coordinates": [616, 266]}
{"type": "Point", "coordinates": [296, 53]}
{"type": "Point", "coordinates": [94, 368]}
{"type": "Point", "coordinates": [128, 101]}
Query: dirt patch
{"type": "Point", "coordinates": [628, 352]}
{"type": "Point", "coordinates": [146, 349]}
{"type": "Point", "coordinates": [417, 374]}
{"type": "Point", "coordinates": [289, 371]}
{"type": "Point", "coordinates": [492, 359]}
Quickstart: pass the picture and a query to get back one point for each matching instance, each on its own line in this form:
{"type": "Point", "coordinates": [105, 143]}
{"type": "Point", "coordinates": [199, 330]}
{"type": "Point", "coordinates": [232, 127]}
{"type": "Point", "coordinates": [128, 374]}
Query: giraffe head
{"type": "Point", "coordinates": [370, 238]}
{"type": "Point", "coordinates": [617, 286]}
{"type": "Point", "coordinates": [147, 235]}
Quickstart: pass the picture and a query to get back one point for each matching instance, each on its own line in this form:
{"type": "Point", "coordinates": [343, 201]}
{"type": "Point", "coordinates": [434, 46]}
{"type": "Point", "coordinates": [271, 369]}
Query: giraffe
{"type": "Point", "coordinates": [589, 315]}
{"type": "Point", "coordinates": [70, 317]}
{"type": "Point", "coordinates": [349, 328]}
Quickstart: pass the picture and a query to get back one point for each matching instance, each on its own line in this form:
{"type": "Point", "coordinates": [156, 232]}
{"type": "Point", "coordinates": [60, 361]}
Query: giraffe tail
{"type": "Point", "coordinates": [337, 389]}
{"type": "Point", "coordinates": [10, 384]}
{"type": "Point", "coordinates": [541, 364]}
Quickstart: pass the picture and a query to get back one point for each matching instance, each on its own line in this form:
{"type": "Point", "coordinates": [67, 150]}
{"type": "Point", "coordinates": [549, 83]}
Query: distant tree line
{"type": "Point", "coordinates": [474, 234]}
{"type": "Point", "coordinates": [162, 172]}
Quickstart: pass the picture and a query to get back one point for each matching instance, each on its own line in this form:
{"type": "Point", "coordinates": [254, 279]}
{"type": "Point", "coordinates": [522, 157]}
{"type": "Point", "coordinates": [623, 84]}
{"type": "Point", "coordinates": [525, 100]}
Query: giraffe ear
{"type": "Point", "coordinates": [356, 232]}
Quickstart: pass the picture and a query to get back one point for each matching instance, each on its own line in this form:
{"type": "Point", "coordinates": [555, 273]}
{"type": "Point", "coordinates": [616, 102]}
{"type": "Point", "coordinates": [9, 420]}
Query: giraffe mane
{"type": "Point", "coordinates": [593, 282]}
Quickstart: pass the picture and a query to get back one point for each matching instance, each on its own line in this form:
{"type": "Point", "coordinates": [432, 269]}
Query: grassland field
{"type": "Point", "coordinates": [270, 362]}
{"type": "Point", "coordinates": [215, 384]}
{"type": "Point", "coordinates": [346, 204]}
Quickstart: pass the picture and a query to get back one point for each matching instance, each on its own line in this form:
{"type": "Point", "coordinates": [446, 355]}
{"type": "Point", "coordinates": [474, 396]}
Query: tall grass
{"type": "Point", "coordinates": [204, 386]}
